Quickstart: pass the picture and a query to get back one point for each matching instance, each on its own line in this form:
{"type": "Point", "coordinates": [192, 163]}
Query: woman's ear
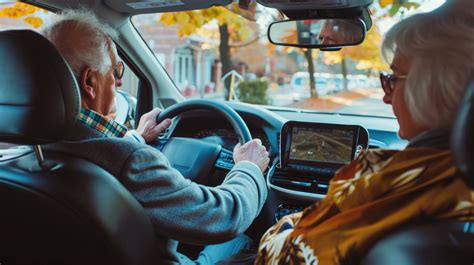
{"type": "Point", "coordinates": [88, 81]}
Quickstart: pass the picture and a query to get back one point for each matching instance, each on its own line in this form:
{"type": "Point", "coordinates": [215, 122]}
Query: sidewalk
{"type": "Point", "coordinates": [334, 101]}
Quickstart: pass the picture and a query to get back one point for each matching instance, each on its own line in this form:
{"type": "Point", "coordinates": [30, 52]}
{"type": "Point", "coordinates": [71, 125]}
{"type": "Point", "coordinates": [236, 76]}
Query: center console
{"type": "Point", "coordinates": [310, 155]}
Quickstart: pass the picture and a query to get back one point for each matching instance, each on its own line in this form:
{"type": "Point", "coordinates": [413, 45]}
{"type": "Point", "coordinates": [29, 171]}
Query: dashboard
{"type": "Point", "coordinates": [216, 130]}
{"type": "Point", "coordinates": [295, 173]}
{"type": "Point", "coordinates": [295, 177]}
{"type": "Point", "coordinates": [227, 137]}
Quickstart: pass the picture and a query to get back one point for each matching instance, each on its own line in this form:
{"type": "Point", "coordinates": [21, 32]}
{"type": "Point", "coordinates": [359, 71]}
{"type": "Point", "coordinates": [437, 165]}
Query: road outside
{"type": "Point", "coordinates": [359, 101]}
{"type": "Point", "coordinates": [356, 101]}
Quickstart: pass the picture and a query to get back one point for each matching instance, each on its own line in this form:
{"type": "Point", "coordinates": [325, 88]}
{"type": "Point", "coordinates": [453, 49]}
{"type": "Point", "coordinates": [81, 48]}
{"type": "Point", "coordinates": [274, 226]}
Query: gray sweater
{"type": "Point", "coordinates": [179, 208]}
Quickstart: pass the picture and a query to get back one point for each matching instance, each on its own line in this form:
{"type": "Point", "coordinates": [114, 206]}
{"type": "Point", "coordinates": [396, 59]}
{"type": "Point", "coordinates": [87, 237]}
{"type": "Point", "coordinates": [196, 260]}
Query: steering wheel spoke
{"type": "Point", "coordinates": [225, 160]}
{"type": "Point", "coordinates": [159, 143]}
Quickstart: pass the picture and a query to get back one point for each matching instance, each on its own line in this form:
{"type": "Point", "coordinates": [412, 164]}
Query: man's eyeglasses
{"type": "Point", "coordinates": [389, 81]}
{"type": "Point", "coordinates": [118, 71]}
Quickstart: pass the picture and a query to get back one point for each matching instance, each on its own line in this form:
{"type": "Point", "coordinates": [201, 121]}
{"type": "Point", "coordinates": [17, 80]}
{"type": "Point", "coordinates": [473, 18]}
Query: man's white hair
{"type": "Point", "coordinates": [82, 39]}
{"type": "Point", "coordinates": [440, 45]}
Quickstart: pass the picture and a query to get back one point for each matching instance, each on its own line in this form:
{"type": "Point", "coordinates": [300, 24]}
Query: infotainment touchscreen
{"type": "Point", "coordinates": [309, 146]}
{"type": "Point", "coordinates": [322, 145]}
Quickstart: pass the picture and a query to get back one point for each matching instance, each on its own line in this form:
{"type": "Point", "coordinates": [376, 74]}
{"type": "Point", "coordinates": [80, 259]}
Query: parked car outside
{"type": "Point", "coordinates": [325, 84]}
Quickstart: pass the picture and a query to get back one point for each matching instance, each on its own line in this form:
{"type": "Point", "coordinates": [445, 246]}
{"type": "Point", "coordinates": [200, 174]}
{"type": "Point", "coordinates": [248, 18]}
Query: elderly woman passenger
{"type": "Point", "coordinates": [433, 59]}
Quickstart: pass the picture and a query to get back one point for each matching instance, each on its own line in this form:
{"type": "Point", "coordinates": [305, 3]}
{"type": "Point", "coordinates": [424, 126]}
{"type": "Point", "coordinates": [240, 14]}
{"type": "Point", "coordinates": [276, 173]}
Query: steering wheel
{"type": "Point", "coordinates": [195, 158]}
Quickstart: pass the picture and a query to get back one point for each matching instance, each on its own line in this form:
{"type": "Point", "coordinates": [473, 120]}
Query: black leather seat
{"type": "Point", "coordinates": [446, 242]}
{"type": "Point", "coordinates": [57, 209]}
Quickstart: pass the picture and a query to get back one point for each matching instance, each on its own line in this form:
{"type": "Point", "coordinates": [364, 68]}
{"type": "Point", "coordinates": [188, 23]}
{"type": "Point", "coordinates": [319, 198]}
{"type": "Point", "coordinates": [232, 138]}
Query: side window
{"type": "Point", "coordinates": [126, 99]}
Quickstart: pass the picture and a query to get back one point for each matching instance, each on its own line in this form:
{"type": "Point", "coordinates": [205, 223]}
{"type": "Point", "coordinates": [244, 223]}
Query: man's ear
{"type": "Point", "coordinates": [88, 83]}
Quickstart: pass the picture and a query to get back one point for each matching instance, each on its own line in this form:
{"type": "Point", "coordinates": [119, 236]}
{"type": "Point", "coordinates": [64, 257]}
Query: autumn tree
{"type": "Point", "coordinates": [231, 29]}
{"type": "Point", "coordinates": [367, 54]}
{"type": "Point", "coordinates": [290, 35]}
{"type": "Point", "coordinates": [394, 7]}
{"type": "Point", "coordinates": [22, 11]}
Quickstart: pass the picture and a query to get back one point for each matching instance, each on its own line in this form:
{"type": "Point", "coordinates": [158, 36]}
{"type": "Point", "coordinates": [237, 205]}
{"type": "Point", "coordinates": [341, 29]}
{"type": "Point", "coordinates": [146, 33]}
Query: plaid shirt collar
{"type": "Point", "coordinates": [102, 124]}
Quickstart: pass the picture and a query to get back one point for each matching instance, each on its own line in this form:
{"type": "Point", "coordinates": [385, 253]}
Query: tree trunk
{"type": "Point", "coordinates": [308, 53]}
{"type": "Point", "coordinates": [224, 50]}
{"type": "Point", "coordinates": [344, 74]}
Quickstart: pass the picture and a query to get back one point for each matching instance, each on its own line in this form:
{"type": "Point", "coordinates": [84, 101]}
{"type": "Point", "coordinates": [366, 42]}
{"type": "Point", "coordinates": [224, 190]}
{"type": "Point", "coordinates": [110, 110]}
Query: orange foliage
{"type": "Point", "coordinates": [367, 54]}
{"type": "Point", "coordinates": [190, 21]}
{"type": "Point", "coordinates": [290, 36]}
{"type": "Point", "coordinates": [19, 10]}
{"type": "Point", "coordinates": [36, 22]}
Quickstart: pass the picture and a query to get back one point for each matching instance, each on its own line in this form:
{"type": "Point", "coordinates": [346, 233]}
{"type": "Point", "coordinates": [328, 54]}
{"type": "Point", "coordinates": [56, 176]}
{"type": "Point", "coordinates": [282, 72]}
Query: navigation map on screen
{"type": "Point", "coordinates": [321, 145]}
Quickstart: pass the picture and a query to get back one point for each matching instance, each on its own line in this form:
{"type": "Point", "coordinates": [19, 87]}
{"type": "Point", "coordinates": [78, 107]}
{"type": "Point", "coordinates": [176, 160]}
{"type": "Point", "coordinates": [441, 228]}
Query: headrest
{"type": "Point", "coordinates": [39, 96]}
{"type": "Point", "coordinates": [462, 140]}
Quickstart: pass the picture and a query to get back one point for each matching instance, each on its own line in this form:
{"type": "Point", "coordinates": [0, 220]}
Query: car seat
{"type": "Point", "coordinates": [443, 242]}
{"type": "Point", "coordinates": [57, 208]}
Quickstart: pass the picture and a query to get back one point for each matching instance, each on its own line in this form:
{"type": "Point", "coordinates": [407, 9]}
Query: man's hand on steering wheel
{"type": "Point", "coordinates": [148, 128]}
{"type": "Point", "coordinates": [252, 151]}
{"type": "Point", "coordinates": [196, 159]}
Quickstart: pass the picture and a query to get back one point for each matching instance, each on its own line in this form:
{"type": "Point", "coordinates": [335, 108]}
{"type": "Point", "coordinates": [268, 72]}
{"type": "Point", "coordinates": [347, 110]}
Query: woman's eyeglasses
{"type": "Point", "coordinates": [389, 81]}
{"type": "Point", "coordinates": [118, 71]}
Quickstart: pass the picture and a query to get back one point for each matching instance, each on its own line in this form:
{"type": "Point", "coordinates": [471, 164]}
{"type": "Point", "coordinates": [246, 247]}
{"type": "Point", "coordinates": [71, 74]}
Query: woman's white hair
{"type": "Point", "coordinates": [82, 39]}
{"type": "Point", "coordinates": [440, 45]}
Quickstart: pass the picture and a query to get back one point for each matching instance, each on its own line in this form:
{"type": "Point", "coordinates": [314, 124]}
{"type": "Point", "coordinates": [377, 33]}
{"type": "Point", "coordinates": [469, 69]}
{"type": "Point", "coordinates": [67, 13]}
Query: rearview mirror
{"type": "Point", "coordinates": [317, 33]}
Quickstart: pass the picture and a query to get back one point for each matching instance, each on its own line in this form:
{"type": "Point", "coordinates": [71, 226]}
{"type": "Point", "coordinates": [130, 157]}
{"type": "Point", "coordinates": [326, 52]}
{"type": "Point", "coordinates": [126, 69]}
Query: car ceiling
{"type": "Point", "coordinates": [125, 8]}
{"type": "Point", "coordinates": [158, 6]}
{"type": "Point", "coordinates": [132, 7]}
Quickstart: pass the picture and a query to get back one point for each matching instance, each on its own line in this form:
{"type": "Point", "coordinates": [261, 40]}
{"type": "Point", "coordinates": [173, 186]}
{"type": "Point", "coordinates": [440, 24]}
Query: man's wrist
{"type": "Point", "coordinates": [136, 136]}
{"type": "Point", "coordinates": [250, 165]}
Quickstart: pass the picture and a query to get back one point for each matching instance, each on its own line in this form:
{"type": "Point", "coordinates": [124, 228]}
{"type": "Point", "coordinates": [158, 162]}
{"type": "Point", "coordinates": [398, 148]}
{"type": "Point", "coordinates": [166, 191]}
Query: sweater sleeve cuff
{"type": "Point", "coordinates": [135, 136]}
{"type": "Point", "coordinates": [249, 167]}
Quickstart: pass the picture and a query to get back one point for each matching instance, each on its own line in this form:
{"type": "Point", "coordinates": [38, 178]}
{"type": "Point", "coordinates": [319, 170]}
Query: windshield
{"type": "Point", "coordinates": [219, 55]}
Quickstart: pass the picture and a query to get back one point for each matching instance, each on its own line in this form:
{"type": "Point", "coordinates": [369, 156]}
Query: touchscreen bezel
{"type": "Point", "coordinates": [287, 135]}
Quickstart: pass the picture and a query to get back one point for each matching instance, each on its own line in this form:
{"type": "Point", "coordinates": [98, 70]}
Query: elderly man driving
{"type": "Point", "coordinates": [178, 208]}
{"type": "Point", "coordinates": [338, 31]}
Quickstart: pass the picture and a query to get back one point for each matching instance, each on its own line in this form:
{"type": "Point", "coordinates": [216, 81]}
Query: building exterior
{"type": "Point", "coordinates": [194, 68]}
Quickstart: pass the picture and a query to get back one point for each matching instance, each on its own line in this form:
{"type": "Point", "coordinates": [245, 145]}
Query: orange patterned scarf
{"type": "Point", "coordinates": [378, 192]}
